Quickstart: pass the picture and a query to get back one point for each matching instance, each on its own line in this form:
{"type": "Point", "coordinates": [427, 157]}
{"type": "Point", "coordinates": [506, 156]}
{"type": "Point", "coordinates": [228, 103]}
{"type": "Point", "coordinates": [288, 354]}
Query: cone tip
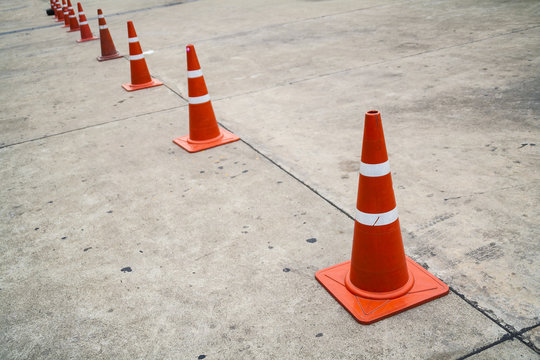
{"type": "Point", "coordinates": [373, 115]}
{"type": "Point", "coordinates": [99, 12]}
{"type": "Point", "coordinates": [189, 47]}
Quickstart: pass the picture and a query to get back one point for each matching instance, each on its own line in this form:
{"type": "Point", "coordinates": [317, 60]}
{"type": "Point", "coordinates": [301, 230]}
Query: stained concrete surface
{"type": "Point", "coordinates": [118, 244]}
{"type": "Point", "coordinates": [510, 349]}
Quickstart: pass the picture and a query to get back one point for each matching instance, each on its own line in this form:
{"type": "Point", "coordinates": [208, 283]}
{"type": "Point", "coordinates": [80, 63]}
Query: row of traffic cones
{"type": "Point", "coordinates": [204, 132]}
{"type": "Point", "coordinates": [63, 11]}
{"type": "Point", "coordinates": [380, 280]}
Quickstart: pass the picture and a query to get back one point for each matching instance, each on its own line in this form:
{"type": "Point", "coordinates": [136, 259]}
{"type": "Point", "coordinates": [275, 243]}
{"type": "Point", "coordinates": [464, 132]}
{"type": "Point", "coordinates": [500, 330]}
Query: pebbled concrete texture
{"type": "Point", "coordinates": [154, 252]}
{"type": "Point", "coordinates": [115, 243]}
{"type": "Point", "coordinates": [532, 338]}
{"type": "Point", "coordinates": [509, 349]}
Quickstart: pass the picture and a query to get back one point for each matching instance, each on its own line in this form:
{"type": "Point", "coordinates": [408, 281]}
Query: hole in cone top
{"type": "Point", "coordinates": [373, 112]}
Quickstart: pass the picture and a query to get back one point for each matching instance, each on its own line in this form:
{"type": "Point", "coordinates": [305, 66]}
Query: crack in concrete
{"type": "Point", "coordinates": [511, 332]}
{"type": "Point", "coordinates": [90, 126]}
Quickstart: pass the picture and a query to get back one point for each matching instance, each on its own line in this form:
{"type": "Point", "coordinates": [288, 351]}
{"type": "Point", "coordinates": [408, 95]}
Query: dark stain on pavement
{"type": "Point", "coordinates": [126, 269]}
{"type": "Point", "coordinates": [311, 240]}
{"type": "Point", "coordinates": [487, 252]}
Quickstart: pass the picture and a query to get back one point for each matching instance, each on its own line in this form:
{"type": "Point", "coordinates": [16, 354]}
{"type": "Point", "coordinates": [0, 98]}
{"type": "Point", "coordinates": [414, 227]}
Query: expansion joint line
{"type": "Point", "coordinates": [510, 332]}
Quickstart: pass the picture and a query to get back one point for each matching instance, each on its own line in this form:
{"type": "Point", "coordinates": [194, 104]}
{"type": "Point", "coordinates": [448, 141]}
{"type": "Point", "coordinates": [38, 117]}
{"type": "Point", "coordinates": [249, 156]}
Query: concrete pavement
{"type": "Point", "coordinates": [118, 244]}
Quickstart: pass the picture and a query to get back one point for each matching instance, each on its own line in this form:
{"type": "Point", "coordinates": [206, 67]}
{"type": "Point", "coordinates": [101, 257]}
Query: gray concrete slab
{"type": "Point", "coordinates": [118, 244]}
{"type": "Point", "coordinates": [61, 86]}
{"type": "Point", "coordinates": [217, 251]}
{"type": "Point", "coordinates": [532, 338]}
{"type": "Point", "coordinates": [273, 54]}
{"type": "Point", "coordinates": [509, 349]}
{"type": "Point", "coordinates": [459, 150]}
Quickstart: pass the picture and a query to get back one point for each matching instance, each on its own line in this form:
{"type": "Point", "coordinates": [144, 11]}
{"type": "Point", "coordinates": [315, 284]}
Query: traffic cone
{"type": "Point", "coordinates": [55, 9]}
{"type": "Point", "coordinates": [73, 23]}
{"type": "Point", "coordinates": [108, 51]}
{"type": "Point", "coordinates": [140, 77]}
{"type": "Point", "coordinates": [204, 132]}
{"type": "Point", "coordinates": [379, 281]}
{"type": "Point", "coordinates": [59, 11]}
{"type": "Point", "coordinates": [65, 11]}
{"type": "Point", "coordinates": [86, 33]}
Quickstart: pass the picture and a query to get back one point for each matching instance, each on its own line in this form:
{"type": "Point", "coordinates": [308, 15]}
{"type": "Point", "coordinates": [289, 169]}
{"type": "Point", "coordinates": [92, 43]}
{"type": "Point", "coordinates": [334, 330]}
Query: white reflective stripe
{"type": "Point", "coordinates": [83, 23]}
{"type": "Point", "coordinates": [101, 16]}
{"type": "Point", "coordinates": [70, 8]}
{"type": "Point", "coordinates": [199, 99]}
{"type": "Point", "coordinates": [136, 57]}
{"type": "Point", "coordinates": [376, 219]}
{"type": "Point", "coordinates": [375, 170]}
{"type": "Point", "coordinates": [66, 12]}
{"type": "Point", "coordinates": [194, 73]}
{"type": "Point", "coordinates": [133, 39]}
{"type": "Point", "coordinates": [102, 27]}
{"type": "Point", "coordinates": [81, 12]}
{"type": "Point", "coordinates": [71, 16]}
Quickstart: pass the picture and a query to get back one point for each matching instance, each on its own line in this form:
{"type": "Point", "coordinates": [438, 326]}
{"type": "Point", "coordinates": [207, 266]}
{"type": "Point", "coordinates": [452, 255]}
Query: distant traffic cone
{"type": "Point", "coordinates": [108, 51]}
{"type": "Point", "coordinates": [140, 77]}
{"type": "Point", "coordinates": [204, 132]}
{"type": "Point", "coordinates": [86, 33]}
{"type": "Point", "coordinates": [65, 10]}
{"type": "Point", "coordinates": [379, 281]}
{"type": "Point", "coordinates": [59, 11]}
{"type": "Point", "coordinates": [73, 23]}
{"type": "Point", "coordinates": [55, 9]}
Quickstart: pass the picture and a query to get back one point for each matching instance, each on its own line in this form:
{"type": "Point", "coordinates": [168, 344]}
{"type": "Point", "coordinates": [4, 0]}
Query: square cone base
{"type": "Point", "coordinates": [109, 57]}
{"type": "Point", "coordinates": [88, 39]}
{"type": "Point", "coordinates": [133, 87]}
{"type": "Point", "coordinates": [228, 137]}
{"type": "Point", "coordinates": [366, 311]}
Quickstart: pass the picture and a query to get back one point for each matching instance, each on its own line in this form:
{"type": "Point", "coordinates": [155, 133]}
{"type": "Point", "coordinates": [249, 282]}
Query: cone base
{"type": "Point", "coordinates": [65, 26]}
{"type": "Point", "coordinates": [109, 57]}
{"type": "Point", "coordinates": [73, 30]}
{"type": "Point", "coordinates": [366, 311]}
{"type": "Point", "coordinates": [87, 39]}
{"type": "Point", "coordinates": [133, 87]}
{"type": "Point", "coordinates": [183, 142]}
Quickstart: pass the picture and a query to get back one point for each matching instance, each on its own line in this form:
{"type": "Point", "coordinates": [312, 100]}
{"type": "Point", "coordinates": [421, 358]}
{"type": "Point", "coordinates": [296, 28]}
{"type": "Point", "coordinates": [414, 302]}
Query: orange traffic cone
{"type": "Point", "coordinates": [140, 77]}
{"type": "Point", "coordinates": [108, 51]}
{"type": "Point", "coordinates": [54, 7]}
{"type": "Point", "coordinates": [65, 11]}
{"type": "Point", "coordinates": [73, 23]}
{"type": "Point", "coordinates": [204, 132]}
{"type": "Point", "coordinates": [379, 281]}
{"type": "Point", "coordinates": [59, 11]}
{"type": "Point", "coordinates": [86, 33]}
